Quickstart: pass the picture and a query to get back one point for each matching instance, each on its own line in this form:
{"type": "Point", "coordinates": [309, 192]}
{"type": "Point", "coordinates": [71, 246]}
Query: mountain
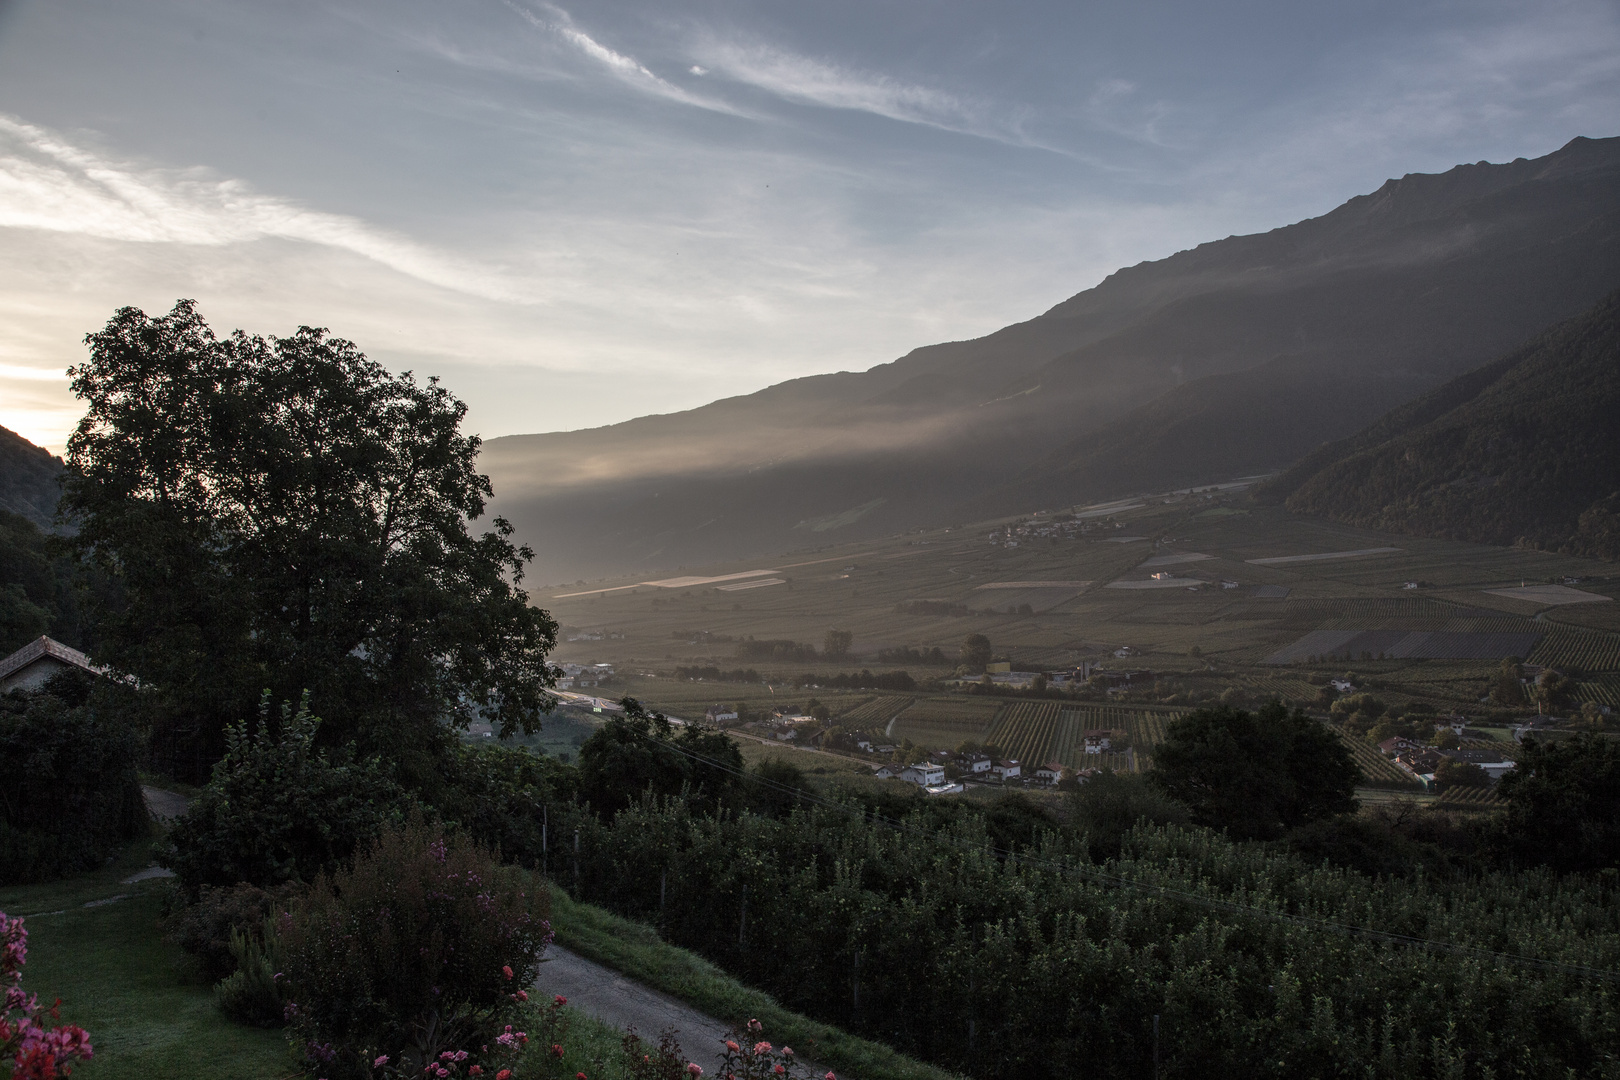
{"type": "Point", "coordinates": [1525, 449]}
{"type": "Point", "coordinates": [30, 479]}
{"type": "Point", "coordinates": [1238, 356]}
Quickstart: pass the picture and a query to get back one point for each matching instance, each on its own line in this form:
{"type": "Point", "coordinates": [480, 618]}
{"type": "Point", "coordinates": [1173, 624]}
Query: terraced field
{"type": "Point", "coordinates": [1469, 798]}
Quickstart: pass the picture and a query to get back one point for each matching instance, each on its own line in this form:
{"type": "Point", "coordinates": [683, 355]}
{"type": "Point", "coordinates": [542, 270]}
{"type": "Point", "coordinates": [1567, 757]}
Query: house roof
{"type": "Point", "coordinates": [42, 647]}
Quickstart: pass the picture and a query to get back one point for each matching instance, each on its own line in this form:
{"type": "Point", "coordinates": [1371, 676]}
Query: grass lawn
{"type": "Point", "coordinates": [119, 980]}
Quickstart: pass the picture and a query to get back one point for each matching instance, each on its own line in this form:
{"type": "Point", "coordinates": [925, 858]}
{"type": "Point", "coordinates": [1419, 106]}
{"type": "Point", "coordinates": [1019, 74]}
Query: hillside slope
{"type": "Point", "coordinates": [1526, 449]}
{"type": "Point", "coordinates": [30, 479]}
{"type": "Point", "coordinates": [1239, 355]}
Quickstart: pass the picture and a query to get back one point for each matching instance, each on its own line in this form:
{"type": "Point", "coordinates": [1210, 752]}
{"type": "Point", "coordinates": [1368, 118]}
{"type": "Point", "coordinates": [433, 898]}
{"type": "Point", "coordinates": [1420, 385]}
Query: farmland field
{"type": "Point", "coordinates": [1040, 731]}
{"type": "Point", "coordinates": [946, 722]}
{"type": "Point", "coordinates": [1198, 644]}
{"type": "Point", "coordinates": [874, 714]}
{"type": "Point", "coordinates": [1376, 769]}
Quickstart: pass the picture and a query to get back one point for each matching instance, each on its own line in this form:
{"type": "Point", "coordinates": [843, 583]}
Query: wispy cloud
{"type": "Point", "coordinates": [49, 184]}
{"type": "Point", "coordinates": [627, 69]}
{"type": "Point", "coordinates": [816, 82]}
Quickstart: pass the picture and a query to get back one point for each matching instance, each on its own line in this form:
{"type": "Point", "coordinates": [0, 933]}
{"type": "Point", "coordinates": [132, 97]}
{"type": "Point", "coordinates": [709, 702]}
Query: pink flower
{"type": "Point", "coordinates": [556, 1050]}
{"type": "Point", "coordinates": [504, 1074]}
{"type": "Point", "coordinates": [755, 1025]}
{"type": "Point", "coordinates": [523, 995]}
{"type": "Point", "coordinates": [382, 1059]}
{"type": "Point", "coordinates": [733, 1047]}
{"type": "Point", "coordinates": [779, 1070]}
{"type": "Point", "coordinates": [559, 1001]}
{"type": "Point", "coordinates": [788, 1051]}
{"type": "Point", "coordinates": [694, 1069]}
{"type": "Point", "coordinates": [829, 1076]}
{"type": "Point", "coordinates": [506, 969]}
{"type": "Point", "coordinates": [579, 1076]}
{"type": "Point", "coordinates": [475, 1070]}
{"type": "Point", "coordinates": [762, 1048]}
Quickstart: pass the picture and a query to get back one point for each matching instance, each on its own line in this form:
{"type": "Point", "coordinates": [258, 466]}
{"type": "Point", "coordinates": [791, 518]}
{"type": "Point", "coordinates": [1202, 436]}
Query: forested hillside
{"type": "Point", "coordinates": [1526, 449]}
{"type": "Point", "coordinates": [1240, 355]}
{"type": "Point", "coordinates": [30, 479]}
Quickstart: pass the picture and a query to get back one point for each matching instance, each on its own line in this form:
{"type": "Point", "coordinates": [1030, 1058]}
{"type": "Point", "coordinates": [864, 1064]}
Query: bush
{"type": "Point", "coordinates": [70, 797]}
{"type": "Point", "coordinates": [422, 949]}
{"type": "Point", "coordinates": [497, 794]}
{"type": "Point", "coordinates": [206, 927]}
{"type": "Point", "coordinates": [256, 992]}
{"type": "Point", "coordinates": [277, 810]}
{"type": "Point", "coordinates": [29, 1049]}
{"type": "Point", "coordinates": [1109, 805]}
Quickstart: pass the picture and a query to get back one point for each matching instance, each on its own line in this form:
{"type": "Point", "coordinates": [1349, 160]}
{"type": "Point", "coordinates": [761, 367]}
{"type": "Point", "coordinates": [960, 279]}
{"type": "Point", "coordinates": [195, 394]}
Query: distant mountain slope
{"type": "Point", "coordinates": [1240, 355]}
{"type": "Point", "coordinates": [1526, 448]}
{"type": "Point", "coordinates": [30, 479]}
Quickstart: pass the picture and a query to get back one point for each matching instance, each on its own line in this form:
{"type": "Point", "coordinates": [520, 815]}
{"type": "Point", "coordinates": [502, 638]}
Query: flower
{"type": "Point", "coordinates": [694, 1069]}
{"type": "Point", "coordinates": [475, 1070]}
{"type": "Point", "coordinates": [556, 1050]}
{"type": "Point", "coordinates": [579, 1076]}
{"type": "Point", "coordinates": [755, 1025]}
{"type": "Point", "coordinates": [787, 1051]}
{"type": "Point", "coordinates": [504, 1074]}
{"type": "Point", "coordinates": [762, 1048]}
{"type": "Point", "coordinates": [732, 1046]}
{"type": "Point", "coordinates": [829, 1076]}
{"type": "Point", "coordinates": [559, 1001]}
{"type": "Point", "coordinates": [506, 969]}
{"type": "Point", "coordinates": [382, 1059]}
{"type": "Point", "coordinates": [522, 995]}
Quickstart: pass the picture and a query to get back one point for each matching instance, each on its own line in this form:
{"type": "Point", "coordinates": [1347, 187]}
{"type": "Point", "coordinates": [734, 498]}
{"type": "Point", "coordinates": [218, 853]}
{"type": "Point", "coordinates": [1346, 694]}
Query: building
{"type": "Point", "coordinates": [31, 667]}
{"type": "Point", "coordinates": [719, 714]}
{"type": "Point", "coordinates": [1005, 770]}
{"type": "Point", "coordinates": [974, 764]}
{"type": "Point", "coordinates": [1050, 773]}
{"type": "Point", "coordinates": [1098, 741]}
{"type": "Point", "coordinates": [924, 774]}
{"type": "Point", "coordinates": [1491, 761]}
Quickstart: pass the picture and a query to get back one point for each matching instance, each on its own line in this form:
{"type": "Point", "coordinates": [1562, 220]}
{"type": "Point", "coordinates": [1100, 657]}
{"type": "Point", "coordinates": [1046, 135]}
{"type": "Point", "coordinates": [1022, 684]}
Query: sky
{"type": "Point", "coordinates": [579, 213]}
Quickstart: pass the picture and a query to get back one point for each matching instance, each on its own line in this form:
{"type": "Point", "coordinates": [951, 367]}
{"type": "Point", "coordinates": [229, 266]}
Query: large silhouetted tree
{"type": "Point", "coordinates": [284, 514]}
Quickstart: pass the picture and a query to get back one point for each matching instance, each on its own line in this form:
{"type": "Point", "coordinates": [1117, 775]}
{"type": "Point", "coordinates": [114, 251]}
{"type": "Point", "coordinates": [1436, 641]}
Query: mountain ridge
{"type": "Point", "coordinates": [1306, 333]}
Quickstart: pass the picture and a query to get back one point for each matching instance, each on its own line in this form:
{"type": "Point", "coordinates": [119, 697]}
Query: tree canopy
{"type": "Point", "coordinates": [1563, 803]}
{"type": "Point", "coordinates": [284, 514]}
{"type": "Point", "coordinates": [1258, 773]}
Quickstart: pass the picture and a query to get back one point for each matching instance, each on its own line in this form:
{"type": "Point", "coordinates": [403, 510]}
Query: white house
{"type": "Point", "coordinates": [1098, 740]}
{"type": "Point", "coordinates": [977, 764]}
{"type": "Point", "coordinates": [1005, 770]}
{"type": "Point", "coordinates": [1050, 773]}
{"type": "Point", "coordinates": [924, 774]}
{"type": "Point", "coordinates": [1343, 686]}
{"type": "Point", "coordinates": [719, 714]}
{"type": "Point", "coordinates": [888, 772]}
{"type": "Point", "coordinates": [31, 666]}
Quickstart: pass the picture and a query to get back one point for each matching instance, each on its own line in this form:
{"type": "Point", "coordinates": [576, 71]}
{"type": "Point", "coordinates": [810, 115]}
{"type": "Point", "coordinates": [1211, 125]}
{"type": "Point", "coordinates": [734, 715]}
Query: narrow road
{"type": "Point", "coordinates": [605, 995]}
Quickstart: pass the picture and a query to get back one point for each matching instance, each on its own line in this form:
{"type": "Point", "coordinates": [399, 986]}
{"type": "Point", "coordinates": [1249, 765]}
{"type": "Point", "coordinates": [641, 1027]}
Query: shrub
{"type": "Point", "coordinates": [423, 948]}
{"type": "Point", "coordinates": [277, 810]}
{"type": "Point", "coordinates": [206, 927]}
{"type": "Point", "coordinates": [496, 795]}
{"type": "Point", "coordinates": [256, 992]}
{"type": "Point", "coordinates": [70, 797]}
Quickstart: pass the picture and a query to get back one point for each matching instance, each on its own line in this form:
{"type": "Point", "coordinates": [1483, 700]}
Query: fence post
{"type": "Point", "coordinates": [576, 861]}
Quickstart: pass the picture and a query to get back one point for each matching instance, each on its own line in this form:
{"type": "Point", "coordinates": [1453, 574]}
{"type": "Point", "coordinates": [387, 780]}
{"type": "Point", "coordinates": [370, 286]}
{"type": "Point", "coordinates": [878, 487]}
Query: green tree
{"type": "Point", "coordinates": [835, 645]}
{"type": "Point", "coordinates": [1507, 689]}
{"type": "Point", "coordinates": [975, 653]}
{"type": "Point", "coordinates": [641, 752]}
{"type": "Point", "coordinates": [1563, 803]}
{"type": "Point", "coordinates": [1110, 804]}
{"type": "Point", "coordinates": [284, 513]}
{"type": "Point", "coordinates": [1450, 774]}
{"type": "Point", "coordinates": [1255, 774]}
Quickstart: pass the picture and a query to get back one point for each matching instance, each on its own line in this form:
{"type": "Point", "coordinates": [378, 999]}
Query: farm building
{"type": "Point", "coordinates": [1006, 770]}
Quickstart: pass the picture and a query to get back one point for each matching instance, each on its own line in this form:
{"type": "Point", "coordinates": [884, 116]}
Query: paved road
{"type": "Point", "coordinates": [604, 994]}
{"type": "Point", "coordinates": [163, 805]}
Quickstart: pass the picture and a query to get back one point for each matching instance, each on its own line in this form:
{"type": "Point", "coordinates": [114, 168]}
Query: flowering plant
{"type": "Point", "coordinates": [34, 1051]}
{"type": "Point", "coordinates": [749, 1057]}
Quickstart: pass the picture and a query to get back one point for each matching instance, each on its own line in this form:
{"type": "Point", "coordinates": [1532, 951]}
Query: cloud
{"type": "Point", "coordinates": [51, 185]}
{"type": "Point", "coordinates": [815, 82]}
{"type": "Point", "coordinates": [627, 69]}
